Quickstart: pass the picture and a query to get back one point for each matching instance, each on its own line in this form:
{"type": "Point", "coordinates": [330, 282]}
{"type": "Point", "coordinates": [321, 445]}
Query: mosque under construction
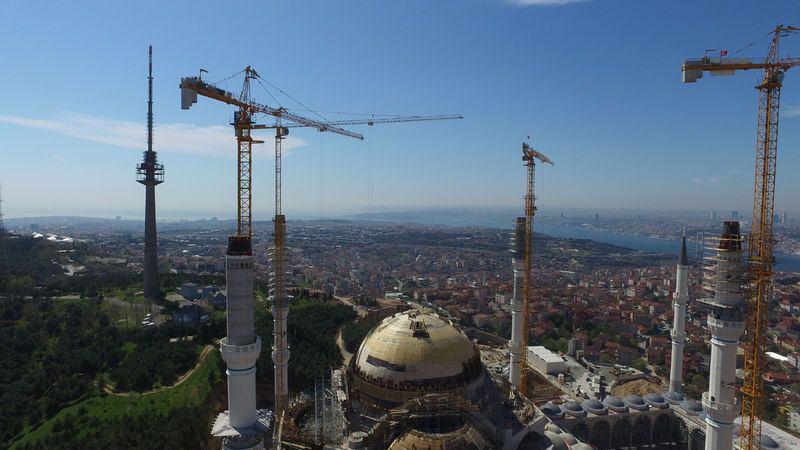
{"type": "Point", "coordinates": [417, 382]}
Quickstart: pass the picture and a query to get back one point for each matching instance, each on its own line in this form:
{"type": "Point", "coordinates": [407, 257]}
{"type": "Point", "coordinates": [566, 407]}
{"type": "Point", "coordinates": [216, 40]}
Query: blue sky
{"type": "Point", "coordinates": [595, 83]}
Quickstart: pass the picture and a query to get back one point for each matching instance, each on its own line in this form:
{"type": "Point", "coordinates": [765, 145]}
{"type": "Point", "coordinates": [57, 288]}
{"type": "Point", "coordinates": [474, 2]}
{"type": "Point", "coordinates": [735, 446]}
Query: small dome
{"type": "Point", "coordinates": [574, 409]}
{"type": "Point", "coordinates": [673, 397]}
{"type": "Point", "coordinates": [691, 407]}
{"type": "Point", "coordinates": [615, 404]}
{"type": "Point", "coordinates": [569, 439]}
{"type": "Point", "coordinates": [556, 441]}
{"type": "Point", "coordinates": [767, 443]}
{"type": "Point", "coordinates": [655, 400]}
{"type": "Point", "coordinates": [552, 410]}
{"type": "Point", "coordinates": [635, 402]}
{"type": "Point", "coordinates": [595, 407]}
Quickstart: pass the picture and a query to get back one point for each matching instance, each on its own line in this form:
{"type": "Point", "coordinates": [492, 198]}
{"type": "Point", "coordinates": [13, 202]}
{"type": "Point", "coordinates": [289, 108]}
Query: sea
{"type": "Point", "coordinates": [495, 219]}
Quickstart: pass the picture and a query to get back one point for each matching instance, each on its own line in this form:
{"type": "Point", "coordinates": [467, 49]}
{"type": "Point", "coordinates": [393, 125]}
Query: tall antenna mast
{"type": "Point", "coordinates": [150, 173]}
{"type": "Point", "coordinates": [150, 98]}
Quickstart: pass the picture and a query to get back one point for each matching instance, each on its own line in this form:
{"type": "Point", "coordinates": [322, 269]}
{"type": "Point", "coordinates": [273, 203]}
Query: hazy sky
{"type": "Point", "coordinates": [595, 83]}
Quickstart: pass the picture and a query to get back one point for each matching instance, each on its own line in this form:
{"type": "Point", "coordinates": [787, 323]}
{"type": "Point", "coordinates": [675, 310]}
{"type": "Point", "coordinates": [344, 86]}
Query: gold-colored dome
{"type": "Point", "coordinates": [415, 347]}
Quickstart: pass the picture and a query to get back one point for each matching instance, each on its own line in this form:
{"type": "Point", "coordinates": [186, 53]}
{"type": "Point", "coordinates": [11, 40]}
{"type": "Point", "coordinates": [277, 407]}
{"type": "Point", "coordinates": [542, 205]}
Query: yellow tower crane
{"type": "Point", "coordinates": [761, 242]}
{"type": "Point", "coordinates": [529, 156]}
{"type": "Point", "coordinates": [244, 123]}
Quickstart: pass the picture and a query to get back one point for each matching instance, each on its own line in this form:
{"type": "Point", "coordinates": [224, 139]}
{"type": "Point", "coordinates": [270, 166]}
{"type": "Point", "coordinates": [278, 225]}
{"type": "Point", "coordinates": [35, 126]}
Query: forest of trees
{"type": "Point", "coordinates": [312, 329]}
{"type": "Point", "coordinates": [57, 352]}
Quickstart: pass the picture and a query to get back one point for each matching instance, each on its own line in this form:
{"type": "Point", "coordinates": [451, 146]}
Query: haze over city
{"type": "Point", "coordinates": [596, 84]}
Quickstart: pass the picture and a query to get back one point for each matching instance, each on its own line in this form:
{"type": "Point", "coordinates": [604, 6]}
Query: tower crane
{"type": "Point", "coordinates": [761, 241]}
{"type": "Point", "coordinates": [243, 123]}
{"type": "Point", "coordinates": [529, 156]}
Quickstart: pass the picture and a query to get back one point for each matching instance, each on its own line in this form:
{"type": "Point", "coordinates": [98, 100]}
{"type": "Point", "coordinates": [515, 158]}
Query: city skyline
{"type": "Point", "coordinates": [622, 130]}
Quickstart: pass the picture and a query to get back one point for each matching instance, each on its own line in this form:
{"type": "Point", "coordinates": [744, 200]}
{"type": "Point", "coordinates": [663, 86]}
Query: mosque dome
{"type": "Point", "coordinates": [551, 410]}
{"type": "Point", "coordinates": [459, 435]}
{"type": "Point", "coordinates": [691, 407]}
{"type": "Point", "coordinates": [595, 407]}
{"type": "Point", "coordinates": [635, 402]}
{"type": "Point", "coordinates": [556, 441]}
{"type": "Point", "coordinates": [655, 400]}
{"type": "Point", "coordinates": [574, 409]}
{"type": "Point", "coordinates": [413, 353]}
{"type": "Point", "coordinates": [615, 404]}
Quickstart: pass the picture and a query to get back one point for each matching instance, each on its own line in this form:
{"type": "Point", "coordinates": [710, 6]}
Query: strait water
{"type": "Point", "coordinates": [789, 263]}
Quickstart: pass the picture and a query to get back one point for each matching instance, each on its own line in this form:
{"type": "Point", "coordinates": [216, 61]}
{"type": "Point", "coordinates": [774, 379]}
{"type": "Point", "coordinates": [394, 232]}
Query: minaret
{"type": "Point", "coordinates": [150, 173]}
{"type": "Point", "coordinates": [516, 346]}
{"type": "Point", "coordinates": [679, 299]}
{"type": "Point", "coordinates": [727, 276]}
{"type": "Point", "coordinates": [241, 347]}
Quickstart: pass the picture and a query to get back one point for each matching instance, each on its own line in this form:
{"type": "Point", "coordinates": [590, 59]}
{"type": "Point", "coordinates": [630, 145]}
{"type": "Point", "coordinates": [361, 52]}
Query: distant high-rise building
{"type": "Point", "coordinates": [713, 215]}
{"type": "Point", "coordinates": [734, 215]}
{"type": "Point", "coordinates": [596, 217]}
{"type": "Point", "coordinates": [785, 218]}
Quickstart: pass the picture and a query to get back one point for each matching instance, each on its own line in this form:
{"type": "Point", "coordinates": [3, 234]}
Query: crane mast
{"type": "Point", "coordinates": [761, 240]}
{"type": "Point", "coordinates": [529, 156]}
{"type": "Point", "coordinates": [760, 249]}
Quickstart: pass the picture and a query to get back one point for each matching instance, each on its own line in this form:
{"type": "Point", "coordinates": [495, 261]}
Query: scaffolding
{"type": "Point", "coordinates": [326, 422]}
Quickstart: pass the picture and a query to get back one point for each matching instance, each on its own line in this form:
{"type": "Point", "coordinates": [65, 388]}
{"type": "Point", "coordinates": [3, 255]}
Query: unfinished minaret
{"type": "Point", "coordinates": [726, 279]}
{"type": "Point", "coordinates": [150, 173]}
{"type": "Point", "coordinates": [679, 299]}
{"type": "Point", "coordinates": [518, 263]}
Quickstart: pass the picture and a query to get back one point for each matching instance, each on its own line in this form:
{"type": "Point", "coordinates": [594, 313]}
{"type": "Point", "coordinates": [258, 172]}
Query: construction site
{"type": "Point", "coordinates": [417, 380]}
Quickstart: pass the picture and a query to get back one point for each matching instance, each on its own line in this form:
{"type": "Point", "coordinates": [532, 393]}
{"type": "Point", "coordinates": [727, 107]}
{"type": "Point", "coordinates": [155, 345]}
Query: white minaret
{"type": "Point", "coordinates": [518, 263]}
{"type": "Point", "coordinates": [240, 426]}
{"type": "Point", "coordinates": [679, 299]}
{"type": "Point", "coordinates": [727, 276]}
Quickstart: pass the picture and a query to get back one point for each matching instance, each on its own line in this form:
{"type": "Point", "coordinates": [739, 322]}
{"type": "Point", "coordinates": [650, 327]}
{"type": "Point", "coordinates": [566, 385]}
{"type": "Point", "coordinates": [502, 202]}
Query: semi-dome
{"type": "Point", "coordinates": [581, 446]}
{"type": "Point", "coordinates": [615, 404]}
{"type": "Point", "coordinates": [569, 439]}
{"type": "Point", "coordinates": [413, 353]}
{"type": "Point", "coordinates": [573, 409]}
{"type": "Point", "coordinates": [595, 407]}
{"type": "Point", "coordinates": [465, 436]}
{"type": "Point", "coordinates": [635, 402]}
{"type": "Point", "coordinates": [655, 400]}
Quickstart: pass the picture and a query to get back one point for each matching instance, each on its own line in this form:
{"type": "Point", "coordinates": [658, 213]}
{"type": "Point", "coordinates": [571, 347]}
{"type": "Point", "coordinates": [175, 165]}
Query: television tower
{"type": "Point", "coordinates": [681, 296]}
{"type": "Point", "coordinates": [150, 173]}
{"type": "Point", "coordinates": [726, 278]}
